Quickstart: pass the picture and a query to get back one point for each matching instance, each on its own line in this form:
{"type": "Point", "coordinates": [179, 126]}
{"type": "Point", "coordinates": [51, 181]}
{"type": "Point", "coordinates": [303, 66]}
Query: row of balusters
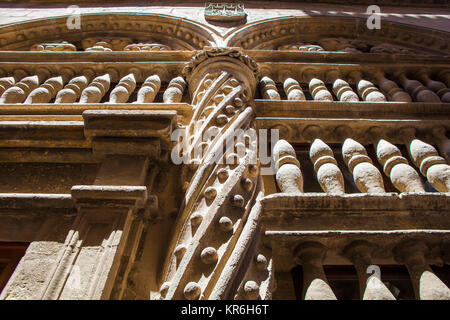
{"type": "Point", "coordinates": [80, 89]}
{"type": "Point", "coordinates": [366, 175]}
{"type": "Point", "coordinates": [425, 90]}
{"type": "Point", "coordinates": [412, 253]}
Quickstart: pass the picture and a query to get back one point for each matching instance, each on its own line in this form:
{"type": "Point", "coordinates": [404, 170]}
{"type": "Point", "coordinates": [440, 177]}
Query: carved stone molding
{"type": "Point", "coordinates": [285, 30]}
{"type": "Point", "coordinates": [180, 33]}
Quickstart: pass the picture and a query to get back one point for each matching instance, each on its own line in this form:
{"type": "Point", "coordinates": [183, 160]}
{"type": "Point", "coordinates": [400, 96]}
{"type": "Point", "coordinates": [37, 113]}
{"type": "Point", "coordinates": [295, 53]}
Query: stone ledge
{"type": "Point", "coordinates": [109, 196]}
{"type": "Point", "coordinates": [129, 123]}
{"type": "Point", "coordinates": [35, 200]}
{"type": "Point", "coordinates": [297, 204]}
{"type": "Point", "coordinates": [353, 110]}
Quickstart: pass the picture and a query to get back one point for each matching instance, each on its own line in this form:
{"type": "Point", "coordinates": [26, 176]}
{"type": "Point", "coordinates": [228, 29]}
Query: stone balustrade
{"type": "Point", "coordinates": [361, 253]}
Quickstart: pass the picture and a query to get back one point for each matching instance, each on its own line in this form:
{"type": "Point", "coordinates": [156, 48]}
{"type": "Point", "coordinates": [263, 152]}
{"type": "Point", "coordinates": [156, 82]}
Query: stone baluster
{"type": "Point", "coordinates": [370, 286]}
{"type": "Point", "coordinates": [427, 159]}
{"type": "Point", "coordinates": [19, 92]}
{"type": "Point", "coordinates": [310, 256]}
{"type": "Point", "coordinates": [325, 165]}
{"type": "Point", "coordinates": [317, 87]}
{"type": "Point", "coordinates": [123, 89]}
{"type": "Point", "coordinates": [72, 90]}
{"type": "Point", "coordinates": [391, 89]}
{"type": "Point", "coordinates": [416, 89]}
{"type": "Point", "coordinates": [443, 143]}
{"type": "Point", "coordinates": [293, 90]}
{"type": "Point", "coordinates": [427, 286]}
{"type": "Point", "coordinates": [366, 89]}
{"type": "Point", "coordinates": [397, 168]}
{"type": "Point", "coordinates": [174, 91]}
{"type": "Point", "coordinates": [445, 76]}
{"type": "Point", "coordinates": [436, 86]}
{"type": "Point", "coordinates": [149, 89]}
{"type": "Point", "coordinates": [318, 90]}
{"type": "Point", "coordinates": [288, 174]}
{"type": "Point", "coordinates": [6, 83]}
{"type": "Point", "coordinates": [366, 176]}
{"type": "Point", "coordinates": [95, 91]}
{"type": "Point", "coordinates": [341, 88]}
{"type": "Point", "coordinates": [46, 91]}
{"type": "Point", "coordinates": [269, 89]}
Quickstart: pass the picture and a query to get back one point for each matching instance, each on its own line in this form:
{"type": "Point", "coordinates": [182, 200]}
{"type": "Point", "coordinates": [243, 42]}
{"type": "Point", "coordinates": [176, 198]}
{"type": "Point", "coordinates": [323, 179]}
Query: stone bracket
{"type": "Point", "coordinates": [129, 132]}
{"type": "Point", "coordinates": [109, 196]}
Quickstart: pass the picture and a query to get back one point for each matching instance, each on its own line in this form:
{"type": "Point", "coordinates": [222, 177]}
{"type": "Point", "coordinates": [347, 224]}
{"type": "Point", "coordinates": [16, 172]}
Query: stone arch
{"type": "Point", "coordinates": [272, 33]}
{"type": "Point", "coordinates": [177, 33]}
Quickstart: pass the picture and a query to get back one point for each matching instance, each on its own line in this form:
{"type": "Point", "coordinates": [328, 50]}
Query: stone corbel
{"type": "Point", "coordinates": [121, 132]}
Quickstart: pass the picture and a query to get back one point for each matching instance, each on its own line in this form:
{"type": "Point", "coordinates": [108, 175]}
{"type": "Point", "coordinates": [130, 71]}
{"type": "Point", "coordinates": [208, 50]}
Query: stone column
{"type": "Point", "coordinates": [427, 286]}
{"type": "Point", "coordinates": [370, 286]}
{"type": "Point", "coordinates": [310, 256]}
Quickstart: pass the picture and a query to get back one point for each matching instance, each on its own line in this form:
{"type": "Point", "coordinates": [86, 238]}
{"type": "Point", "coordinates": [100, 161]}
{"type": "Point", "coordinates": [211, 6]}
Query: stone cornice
{"type": "Point", "coordinates": [180, 33]}
{"type": "Point", "coordinates": [271, 33]}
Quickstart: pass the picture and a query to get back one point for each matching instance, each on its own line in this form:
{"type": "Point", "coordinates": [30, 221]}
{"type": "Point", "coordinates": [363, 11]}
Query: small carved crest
{"type": "Point", "coordinates": [225, 11]}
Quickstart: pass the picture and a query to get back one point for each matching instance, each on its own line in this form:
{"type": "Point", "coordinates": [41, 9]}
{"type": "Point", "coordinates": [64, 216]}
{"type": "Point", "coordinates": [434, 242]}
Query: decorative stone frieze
{"type": "Point", "coordinates": [105, 43]}
{"type": "Point", "coordinates": [301, 47]}
{"type": "Point", "coordinates": [147, 46]}
{"type": "Point", "coordinates": [54, 46]}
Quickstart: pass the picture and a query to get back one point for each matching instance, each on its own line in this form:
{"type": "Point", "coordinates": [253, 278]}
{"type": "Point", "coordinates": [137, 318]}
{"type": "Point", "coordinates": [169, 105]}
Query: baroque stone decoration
{"type": "Point", "coordinates": [156, 157]}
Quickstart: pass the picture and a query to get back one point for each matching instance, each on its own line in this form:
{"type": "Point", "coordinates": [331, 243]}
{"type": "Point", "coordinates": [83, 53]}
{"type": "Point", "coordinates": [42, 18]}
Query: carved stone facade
{"type": "Point", "coordinates": [140, 158]}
